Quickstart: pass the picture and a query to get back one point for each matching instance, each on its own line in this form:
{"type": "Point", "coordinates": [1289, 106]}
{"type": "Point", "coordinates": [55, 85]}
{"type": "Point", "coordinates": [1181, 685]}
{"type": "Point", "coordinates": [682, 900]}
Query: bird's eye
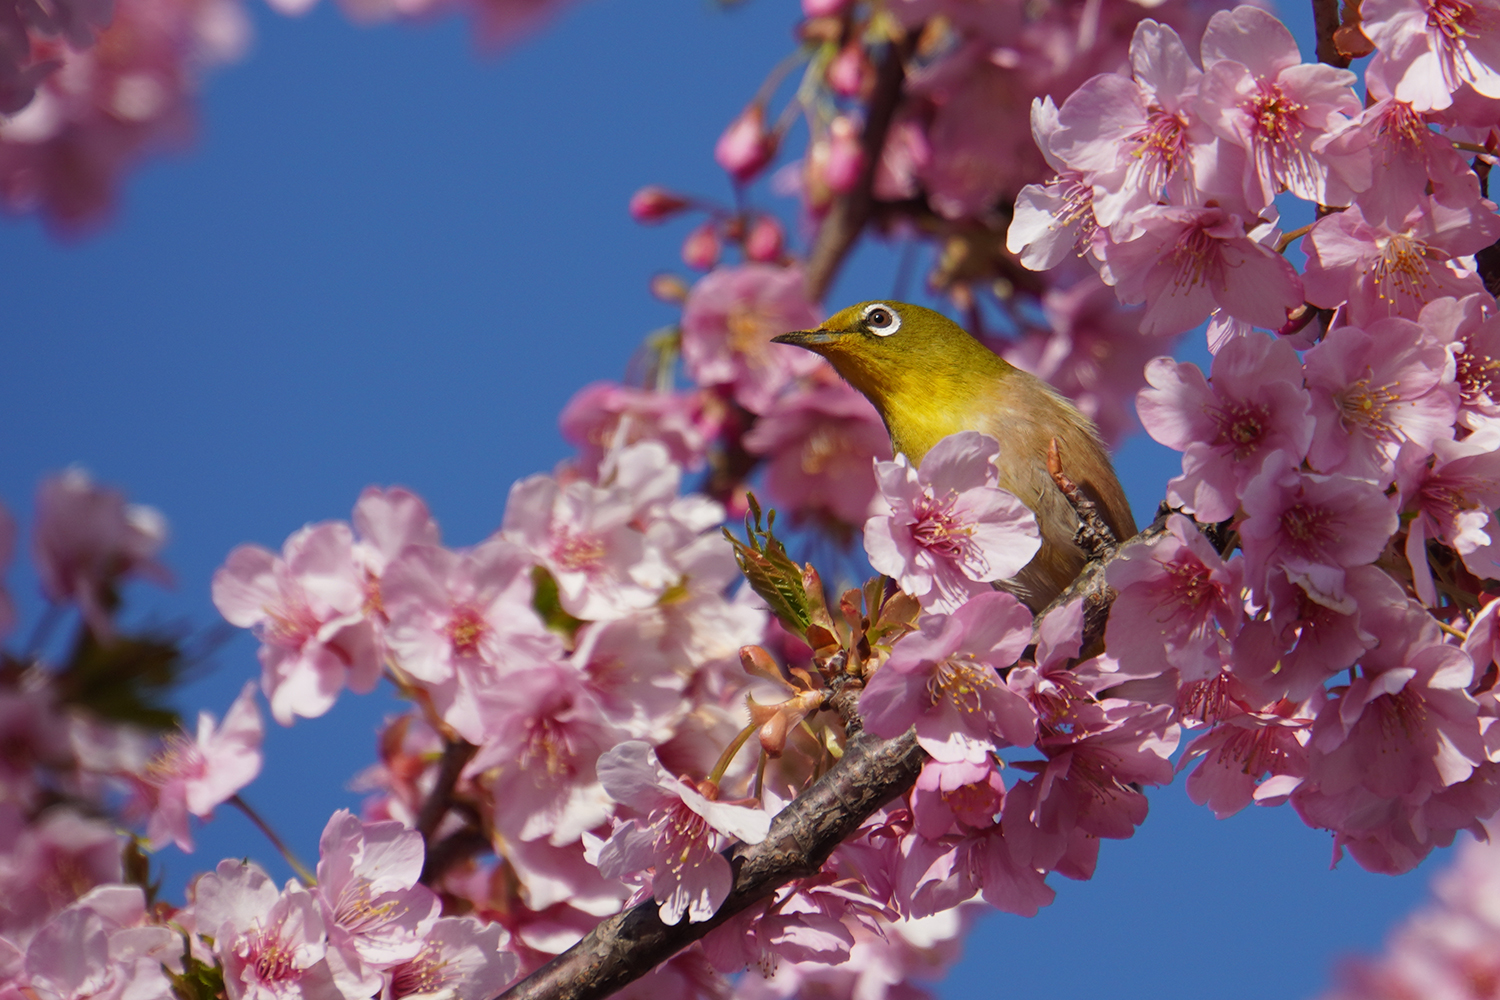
{"type": "Point", "coordinates": [881, 320]}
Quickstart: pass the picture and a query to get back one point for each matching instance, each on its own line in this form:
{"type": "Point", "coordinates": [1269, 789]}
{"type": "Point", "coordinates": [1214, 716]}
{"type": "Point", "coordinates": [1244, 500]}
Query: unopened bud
{"type": "Point", "coordinates": [758, 663]}
{"type": "Point", "coordinates": [669, 288]}
{"type": "Point", "coordinates": [845, 157]}
{"type": "Point", "coordinates": [701, 248]}
{"type": "Point", "coordinates": [849, 71]}
{"type": "Point", "coordinates": [746, 146]}
{"type": "Point", "coordinates": [655, 204]}
{"type": "Point", "coordinates": [765, 240]}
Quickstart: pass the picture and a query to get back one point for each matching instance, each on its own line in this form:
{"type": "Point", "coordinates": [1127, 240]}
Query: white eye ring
{"type": "Point", "coordinates": [881, 319]}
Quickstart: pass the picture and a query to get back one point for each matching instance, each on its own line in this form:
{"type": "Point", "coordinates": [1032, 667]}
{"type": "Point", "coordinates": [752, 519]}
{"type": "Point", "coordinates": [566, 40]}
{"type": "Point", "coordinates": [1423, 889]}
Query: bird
{"type": "Point", "coordinates": [929, 378]}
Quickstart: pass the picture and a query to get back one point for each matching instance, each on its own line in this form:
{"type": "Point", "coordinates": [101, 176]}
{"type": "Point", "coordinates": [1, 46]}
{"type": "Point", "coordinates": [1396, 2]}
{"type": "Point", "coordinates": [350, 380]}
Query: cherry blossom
{"type": "Point", "coordinates": [102, 948]}
{"type": "Point", "coordinates": [1374, 389]}
{"type": "Point", "coordinates": [1258, 94]}
{"type": "Point", "coordinates": [194, 776]}
{"type": "Point", "coordinates": [1312, 528]}
{"type": "Point", "coordinates": [87, 539]}
{"type": "Point", "coordinates": [307, 609]}
{"type": "Point", "coordinates": [587, 536]}
{"type": "Point", "coordinates": [1431, 48]}
{"type": "Point", "coordinates": [1386, 269]}
{"type": "Point", "coordinates": [377, 915]}
{"type": "Point", "coordinates": [822, 445]}
{"type": "Point", "coordinates": [677, 836]}
{"type": "Point", "coordinates": [727, 324]}
{"type": "Point", "coordinates": [951, 530]}
{"type": "Point", "coordinates": [944, 679]}
{"type": "Point", "coordinates": [271, 944]}
{"type": "Point", "coordinates": [1177, 598]}
{"type": "Point", "coordinates": [1186, 262]}
{"type": "Point", "coordinates": [1253, 406]}
{"type": "Point", "coordinates": [460, 957]}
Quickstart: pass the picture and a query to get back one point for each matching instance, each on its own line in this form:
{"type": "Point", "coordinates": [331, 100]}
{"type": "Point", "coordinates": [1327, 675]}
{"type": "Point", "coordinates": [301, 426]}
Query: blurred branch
{"type": "Point", "coordinates": [456, 756]}
{"type": "Point", "coordinates": [452, 850]}
{"type": "Point", "coordinates": [847, 217]}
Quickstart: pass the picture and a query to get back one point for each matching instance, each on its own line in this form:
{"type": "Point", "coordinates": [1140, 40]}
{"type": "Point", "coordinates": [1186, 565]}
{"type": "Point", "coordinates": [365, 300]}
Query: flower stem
{"type": "Point", "coordinates": [276, 842]}
{"type": "Point", "coordinates": [728, 755]}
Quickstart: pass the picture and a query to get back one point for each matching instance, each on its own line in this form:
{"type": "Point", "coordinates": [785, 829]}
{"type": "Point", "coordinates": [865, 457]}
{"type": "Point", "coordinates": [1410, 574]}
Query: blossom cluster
{"type": "Point", "coordinates": [1166, 178]}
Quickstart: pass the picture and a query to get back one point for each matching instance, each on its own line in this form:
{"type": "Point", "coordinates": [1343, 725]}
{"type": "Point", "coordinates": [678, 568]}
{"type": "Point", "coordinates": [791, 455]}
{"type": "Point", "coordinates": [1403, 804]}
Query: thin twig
{"type": "Point", "coordinates": [276, 842]}
{"type": "Point", "coordinates": [847, 217]}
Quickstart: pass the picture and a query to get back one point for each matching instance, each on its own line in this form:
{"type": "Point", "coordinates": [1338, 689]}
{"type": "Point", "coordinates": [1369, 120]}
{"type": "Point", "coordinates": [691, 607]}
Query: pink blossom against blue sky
{"type": "Point", "coordinates": [388, 260]}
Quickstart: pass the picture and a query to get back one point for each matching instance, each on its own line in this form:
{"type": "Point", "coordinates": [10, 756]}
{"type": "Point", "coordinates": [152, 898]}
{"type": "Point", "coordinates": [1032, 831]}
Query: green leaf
{"type": "Point", "coordinates": [124, 680]}
{"type": "Point", "coordinates": [771, 572]}
{"type": "Point", "coordinates": [198, 980]}
{"type": "Point", "coordinates": [549, 606]}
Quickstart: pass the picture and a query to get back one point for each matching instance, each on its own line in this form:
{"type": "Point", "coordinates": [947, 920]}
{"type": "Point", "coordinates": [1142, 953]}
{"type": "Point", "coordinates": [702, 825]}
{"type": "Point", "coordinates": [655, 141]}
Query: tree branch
{"type": "Point", "coordinates": [627, 946]}
{"type": "Point", "coordinates": [1326, 22]}
{"type": "Point", "coordinates": [847, 217]}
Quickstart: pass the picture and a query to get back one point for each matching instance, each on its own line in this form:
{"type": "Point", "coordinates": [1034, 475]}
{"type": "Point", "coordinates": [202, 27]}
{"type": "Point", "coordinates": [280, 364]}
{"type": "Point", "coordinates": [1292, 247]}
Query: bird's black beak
{"type": "Point", "coordinates": [810, 339]}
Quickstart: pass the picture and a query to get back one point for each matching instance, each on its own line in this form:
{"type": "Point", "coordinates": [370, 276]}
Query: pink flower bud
{"type": "Point", "coordinates": [701, 248]}
{"type": "Point", "coordinates": [655, 204]}
{"type": "Point", "coordinates": [764, 241]}
{"type": "Point", "coordinates": [845, 157]}
{"type": "Point", "coordinates": [849, 71]}
{"type": "Point", "coordinates": [823, 8]}
{"type": "Point", "coordinates": [746, 147]}
{"type": "Point", "coordinates": [669, 288]}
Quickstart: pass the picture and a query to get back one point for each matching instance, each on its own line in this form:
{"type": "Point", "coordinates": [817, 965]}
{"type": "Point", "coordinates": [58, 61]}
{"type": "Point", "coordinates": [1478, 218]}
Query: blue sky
{"type": "Point", "coordinates": [388, 259]}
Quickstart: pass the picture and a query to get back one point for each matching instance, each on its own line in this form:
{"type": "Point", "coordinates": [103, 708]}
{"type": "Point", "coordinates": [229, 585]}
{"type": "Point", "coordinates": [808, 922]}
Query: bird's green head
{"type": "Point", "coordinates": [901, 356]}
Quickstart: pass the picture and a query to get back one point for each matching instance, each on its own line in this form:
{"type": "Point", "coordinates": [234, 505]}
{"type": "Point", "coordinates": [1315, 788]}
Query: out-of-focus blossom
{"type": "Point", "coordinates": [101, 948]}
{"type": "Point", "coordinates": [109, 103]}
{"type": "Point", "coordinates": [727, 325]}
{"type": "Point", "coordinates": [195, 776]}
{"type": "Point", "coordinates": [821, 445]}
{"type": "Point", "coordinates": [87, 539]}
{"type": "Point", "coordinates": [746, 146]}
{"type": "Point", "coordinates": [605, 415]}
{"type": "Point", "coordinates": [588, 537]}
{"type": "Point", "coordinates": [702, 247]}
{"type": "Point", "coordinates": [951, 530]}
{"type": "Point", "coordinates": [656, 204]}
